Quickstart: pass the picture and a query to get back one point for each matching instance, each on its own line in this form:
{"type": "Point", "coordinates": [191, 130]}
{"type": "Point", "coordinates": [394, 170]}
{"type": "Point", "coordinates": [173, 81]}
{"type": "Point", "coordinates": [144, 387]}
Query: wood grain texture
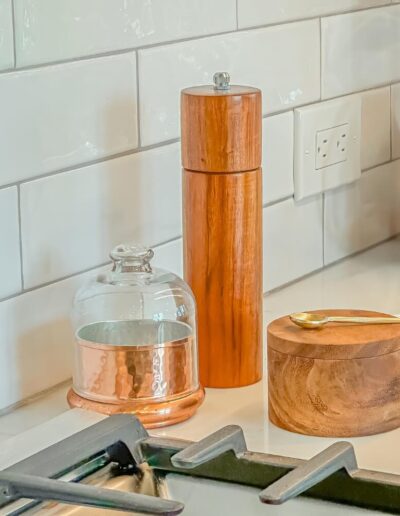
{"type": "Point", "coordinates": [221, 131]}
{"type": "Point", "coordinates": [223, 266]}
{"type": "Point", "coordinates": [341, 381]}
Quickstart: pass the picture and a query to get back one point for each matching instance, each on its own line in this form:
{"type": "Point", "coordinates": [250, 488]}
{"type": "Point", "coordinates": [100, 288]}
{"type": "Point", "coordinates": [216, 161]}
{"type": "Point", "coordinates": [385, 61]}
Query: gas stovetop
{"type": "Point", "coordinates": [116, 466]}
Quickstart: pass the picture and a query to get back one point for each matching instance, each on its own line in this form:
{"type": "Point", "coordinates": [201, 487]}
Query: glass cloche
{"type": "Point", "coordinates": [135, 342]}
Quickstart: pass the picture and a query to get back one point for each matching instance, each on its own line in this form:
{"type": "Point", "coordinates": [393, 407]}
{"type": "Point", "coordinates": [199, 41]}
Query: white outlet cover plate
{"type": "Point", "coordinates": [309, 121]}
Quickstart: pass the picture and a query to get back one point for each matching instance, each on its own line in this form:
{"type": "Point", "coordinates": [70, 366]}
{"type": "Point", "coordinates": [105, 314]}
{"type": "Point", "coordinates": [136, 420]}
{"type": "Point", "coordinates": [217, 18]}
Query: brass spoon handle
{"type": "Point", "coordinates": [364, 320]}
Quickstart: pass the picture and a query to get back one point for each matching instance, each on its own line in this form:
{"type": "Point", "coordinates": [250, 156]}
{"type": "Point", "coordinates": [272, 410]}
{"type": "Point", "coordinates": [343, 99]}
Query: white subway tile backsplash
{"type": "Point", "coordinates": [6, 35]}
{"type": "Point", "coordinates": [72, 220]}
{"type": "Point", "coordinates": [60, 116]}
{"type": "Point", "coordinates": [360, 50]}
{"type": "Point", "coordinates": [277, 157]}
{"type": "Point", "coordinates": [286, 255]}
{"type": "Point", "coordinates": [48, 30]}
{"type": "Point", "coordinates": [395, 112]}
{"type": "Point", "coordinates": [363, 213]}
{"type": "Point", "coordinates": [375, 127]}
{"type": "Point", "coordinates": [36, 340]}
{"type": "Point", "coordinates": [10, 260]}
{"type": "Point", "coordinates": [133, 198]}
{"type": "Point", "coordinates": [55, 119]}
{"type": "Point", "coordinates": [283, 61]}
{"type": "Point", "coordinates": [260, 12]}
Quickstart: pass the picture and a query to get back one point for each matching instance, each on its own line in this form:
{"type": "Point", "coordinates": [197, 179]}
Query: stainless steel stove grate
{"type": "Point", "coordinates": [105, 467]}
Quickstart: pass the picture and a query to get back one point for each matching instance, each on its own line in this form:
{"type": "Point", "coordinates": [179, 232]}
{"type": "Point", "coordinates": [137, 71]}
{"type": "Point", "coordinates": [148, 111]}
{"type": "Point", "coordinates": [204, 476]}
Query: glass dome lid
{"type": "Point", "coordinates": [136, 341]}
{"type": "Point", "coordinates": [133, 290]}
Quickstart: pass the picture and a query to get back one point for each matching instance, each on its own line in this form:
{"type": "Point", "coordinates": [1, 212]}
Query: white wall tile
{"type": "Point", "coordinates": [48, 30]}
{"type": "Point", "coordinates": [283, 61]}
{"type": "Point", "coordinates": [375, 127]}
{"type": "Point", "coordinates": [63, 115]}
{"type": "Point", "coordinates": [360, 50]}
{"type": "Point", "coordinates": [287, 256]}
{"type": "Point", "coordinates": [71, 221]}
{"type": "Point", "coordinates": [260, 12]}
{"type": "Point", "coordinates": [6, 35]}
{"type": "Point", "coordinates": [362, 214]}
{"type": "Point", "coordinates": [396, 121]}
{"type": "Point", "coordinates": [277, 157]}
{"type": "Point", "coordinates": [36, 340]}
{"type": "Point", "coordinates": [10, 260]}
{"type": "Point", "coordinates": [169, 256]}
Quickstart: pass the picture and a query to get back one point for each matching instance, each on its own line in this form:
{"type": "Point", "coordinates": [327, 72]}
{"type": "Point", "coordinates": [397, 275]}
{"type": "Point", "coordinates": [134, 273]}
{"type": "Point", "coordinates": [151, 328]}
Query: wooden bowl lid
{"type": "Point", "coordinates": [221, 129]}
{"type": "Point", "coordinates": [335, 341]}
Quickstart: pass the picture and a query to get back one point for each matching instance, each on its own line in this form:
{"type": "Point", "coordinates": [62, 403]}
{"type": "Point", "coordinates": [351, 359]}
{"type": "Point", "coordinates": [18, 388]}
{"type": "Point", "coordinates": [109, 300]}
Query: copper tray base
{"type": "Point", "coordinates": [151, 414]}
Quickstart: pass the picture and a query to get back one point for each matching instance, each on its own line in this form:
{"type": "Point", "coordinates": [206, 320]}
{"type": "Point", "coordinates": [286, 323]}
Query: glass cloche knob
{"type": "Point", "coordinates": [131, 258]}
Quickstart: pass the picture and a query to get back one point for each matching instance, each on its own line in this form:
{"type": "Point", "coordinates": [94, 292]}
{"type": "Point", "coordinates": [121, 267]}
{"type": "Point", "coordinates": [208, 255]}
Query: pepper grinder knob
{"type": "Point", "coordinates": [221, 81]}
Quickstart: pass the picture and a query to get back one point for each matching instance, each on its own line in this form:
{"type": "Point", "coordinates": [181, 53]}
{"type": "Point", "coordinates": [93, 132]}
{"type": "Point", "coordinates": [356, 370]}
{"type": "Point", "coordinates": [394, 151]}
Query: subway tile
{"type": "Point", "coordinates": [375, 127]}
{"type": "Point", "coordinates": [363, 213]}
{"type": "Point", "coordinates": [60, 116]}
{"type": "Point", "coordinates": [287, 78]}
{"type": "Point", "coordinates": [36, 340]}
{"type": "Point", "coordinates": [52, 31]}
{"type": "Point", "coordinates": [261, 12]}
{"type": "Point", "coordinates": [10, 260]}
{"type": "Point", "coordinates": [72, 220]}
{"type": "Point", "coordinates": [169, 256]}
{"type": "Point", "coordinates": [360, 50]}
{"type": "Point", "coordinates": [277, 157]}
{"type": "Point", "coordinates": [6, 35]}
{"type": "Point", "coordinates": [395, 115]}
{"type": "Point", "coordinates": [287, 256]}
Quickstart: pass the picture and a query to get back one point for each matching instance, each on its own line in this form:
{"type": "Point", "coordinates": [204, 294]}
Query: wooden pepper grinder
{"type": "Point", "coordinates": [222, 211]}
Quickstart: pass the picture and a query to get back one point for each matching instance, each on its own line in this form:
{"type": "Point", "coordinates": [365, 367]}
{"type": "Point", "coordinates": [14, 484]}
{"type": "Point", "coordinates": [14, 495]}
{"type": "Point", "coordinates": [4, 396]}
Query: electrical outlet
{"type": "Point", "coordinates": [327, 145]}
{"type": "Point", "coordinates": [332, 146]}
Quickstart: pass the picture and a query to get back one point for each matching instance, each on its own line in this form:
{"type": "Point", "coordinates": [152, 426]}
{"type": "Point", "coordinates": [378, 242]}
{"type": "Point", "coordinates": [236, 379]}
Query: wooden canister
{"type": "Point", "coordinates": [340, 381]}
{"type": "Point", "coordinates": [222, 236]}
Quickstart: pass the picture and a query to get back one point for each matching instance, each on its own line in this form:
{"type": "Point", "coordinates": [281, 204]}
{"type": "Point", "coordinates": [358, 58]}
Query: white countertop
{"type": "Point", "coordinates": [370, 280]}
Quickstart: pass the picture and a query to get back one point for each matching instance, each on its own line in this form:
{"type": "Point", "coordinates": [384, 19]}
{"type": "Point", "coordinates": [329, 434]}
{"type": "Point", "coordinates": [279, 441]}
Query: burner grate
{"type": "Point", "coordinates": [120, 441]}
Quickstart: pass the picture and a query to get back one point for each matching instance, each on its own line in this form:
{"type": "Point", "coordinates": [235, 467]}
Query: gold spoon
{"type": "Point", "coordinates": [317, 321]}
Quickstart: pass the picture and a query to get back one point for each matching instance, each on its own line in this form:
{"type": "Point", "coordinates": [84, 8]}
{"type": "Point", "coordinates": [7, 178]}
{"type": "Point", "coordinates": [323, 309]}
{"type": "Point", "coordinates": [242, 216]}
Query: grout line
{"type": "Point", "coordinates": [169, 241]}
{"type": "Point", "coordinates": [78, 273]}
{"type": "Point", "coordinates": [378, 165]}
{"type": "Point", "coordinates": [20, 236]}
{"type": "Point", "coordinates": [138, 102]}
{"type": "Point", "coordinates": [278, 201]}
{"type": "Point", "coordinates": [237, 14]}
{"type": "Point", "coordinates": [14, 32]}
{"type": "Point", "coordinates": [294, 147]}
{"type": "Point", "coordinates": [85, 164]}
{"type": "Point", "coordinates": [320, 58]}
{"type": "Point", "coordinates": [329, 265]}
{"type": "Point", "coordinates": [391, 121]}
{"type": "Point", "coordinates": [52, 282]}
{"type": "Point", "coordinates": [329, 15]}
{"type": "Point", "coordinates": [187, 39]}
{"type": "Point", "coordinates": [119, 52]}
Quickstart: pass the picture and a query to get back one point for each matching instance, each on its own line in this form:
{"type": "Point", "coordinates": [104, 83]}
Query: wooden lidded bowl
{"type": "Point", "coordinates": [340, 381]}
